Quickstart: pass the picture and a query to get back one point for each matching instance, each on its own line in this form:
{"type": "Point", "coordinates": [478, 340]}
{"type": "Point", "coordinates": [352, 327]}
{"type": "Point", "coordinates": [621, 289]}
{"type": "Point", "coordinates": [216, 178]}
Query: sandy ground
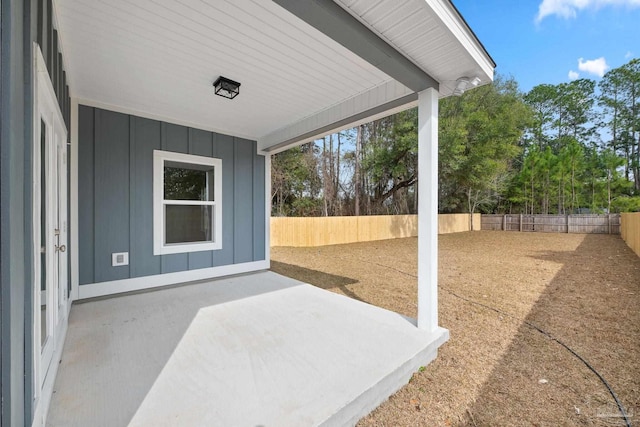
{"type": "Point", "coordinates": [583, 290]}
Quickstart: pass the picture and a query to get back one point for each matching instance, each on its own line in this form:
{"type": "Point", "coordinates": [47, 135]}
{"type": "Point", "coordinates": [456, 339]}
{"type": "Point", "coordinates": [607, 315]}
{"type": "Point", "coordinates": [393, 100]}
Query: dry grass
{"type": "Point", "coordinates": [583, 289]}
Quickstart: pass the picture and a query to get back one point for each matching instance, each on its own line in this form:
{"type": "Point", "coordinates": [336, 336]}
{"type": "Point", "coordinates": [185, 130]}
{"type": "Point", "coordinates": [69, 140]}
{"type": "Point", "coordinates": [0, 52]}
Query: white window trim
{"type": "Point", "coordinates": [159, 159]}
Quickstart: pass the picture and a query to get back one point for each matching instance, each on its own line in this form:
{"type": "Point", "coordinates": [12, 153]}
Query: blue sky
{"type": "Point", "coordinates": [544, 41]}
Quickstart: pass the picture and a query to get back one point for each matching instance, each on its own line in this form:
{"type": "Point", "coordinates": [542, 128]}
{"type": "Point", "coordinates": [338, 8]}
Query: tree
{"type": "Point", "coordinates": [295, 183]}
{"type": "Point", "coordinates": [574, 106]}
{"type": "Point", "coordinates": [620, 100]}
{"type": "Point", "coordinates": [357, 181]}
{"type": "Point", "coordinates": [480, 134]}
{"type": "Point", "coordinates": [391, 161]}
{"type": "Point", "coordinates": [572, 157]}
{"type": "Point", "coordinates": [631, 116]}
{"type": "Point", "coordinates": [611, 163]}
{"type": "Point", "coordinates": [548, 151]}
{"type": "Point", "coordinates": [542, 100]}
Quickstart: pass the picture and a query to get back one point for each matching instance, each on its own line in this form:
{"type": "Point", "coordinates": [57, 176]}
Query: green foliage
{"type": "Point", "coordinates": [557, 149]}
{"type": "Point", "coordinates": [185, 184]}
{"type": "Point", "coordinates": [479, 136]}
{"type": "Point", "coordinates": [620, 101]}
{"type": "Point", "coordinates": [566, 167]}
{"type": "Point", "coordinates": [625, 203]}
{"type": "Point", "coordinates": [295, 182]}
{"type": "Point", "coordinates": [393, 149]}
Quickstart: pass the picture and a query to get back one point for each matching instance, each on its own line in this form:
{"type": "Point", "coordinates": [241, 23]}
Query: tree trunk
{"type": "Point", "coordinates": [636, 171]}
{"type": "Point", "coordinates": [609, 173]}
{"type": "Point", "coordinates": [325, 211]}
{"type": "Point", "coordinates": [469, 208]}
{"type": "Point", "coordinates": [561, 189]}
{"type": "Point", "coordinates": [635, 137]}
{"type": "Point", "coordinates": [357, 171]}
{"type": "Point", "coordinates": [331, 178]}
{"type": "Point", "coordinates": [573, 189]}
{"type": "Point", "coordinates": [337, 181]}
{"type": "Point", "coordinates": [533, 200]}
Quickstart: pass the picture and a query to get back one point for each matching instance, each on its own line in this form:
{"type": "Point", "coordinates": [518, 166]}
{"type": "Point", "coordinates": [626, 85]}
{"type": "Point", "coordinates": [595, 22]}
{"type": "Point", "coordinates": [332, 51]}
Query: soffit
{"type": "Point", "coordinates": [161, 58]}
{"type": "Point", "coordinates": [430, 33]}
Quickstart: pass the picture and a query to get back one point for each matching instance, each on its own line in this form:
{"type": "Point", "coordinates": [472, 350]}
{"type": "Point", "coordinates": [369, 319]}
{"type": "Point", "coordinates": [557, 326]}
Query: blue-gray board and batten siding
{"type": "Point", "coordinates": [115, 195]}
{"type": "Point", "coordinates": [22, 22]}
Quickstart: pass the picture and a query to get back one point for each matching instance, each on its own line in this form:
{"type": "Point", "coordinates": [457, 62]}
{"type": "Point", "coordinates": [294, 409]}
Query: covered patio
{"type": "Point", "coordinates": [253, 350]}
{"type": "Point", "coordinates": [126, 172]}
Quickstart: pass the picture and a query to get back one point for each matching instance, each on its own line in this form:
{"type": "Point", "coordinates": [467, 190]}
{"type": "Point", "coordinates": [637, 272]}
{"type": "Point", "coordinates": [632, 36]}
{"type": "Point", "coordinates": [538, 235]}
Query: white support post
{"type": "Point", "coordinates": [428, 210]}
{"type": "Point", "coordinates": [267, 208]}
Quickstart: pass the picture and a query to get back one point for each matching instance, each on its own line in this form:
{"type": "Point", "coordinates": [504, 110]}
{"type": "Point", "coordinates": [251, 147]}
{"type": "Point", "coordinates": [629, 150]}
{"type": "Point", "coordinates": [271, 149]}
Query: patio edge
{"type": "Point", "coordinates": [366, 402]}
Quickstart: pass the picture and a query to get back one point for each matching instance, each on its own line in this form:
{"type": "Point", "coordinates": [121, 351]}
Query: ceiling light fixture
{"type": "Point", "coordinates": [464, 83]}
{"type": "Point", "coordinates": [226, 87]}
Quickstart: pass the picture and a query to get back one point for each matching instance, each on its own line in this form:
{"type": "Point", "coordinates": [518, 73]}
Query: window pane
{"type": "Point", "coordinates": [184, 183]}
{"type": "Point", "coordinates": [186, 224]}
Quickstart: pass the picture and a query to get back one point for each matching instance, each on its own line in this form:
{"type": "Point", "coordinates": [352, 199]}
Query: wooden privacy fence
{"type": "Point", "coordinates": [630, 230]}
{"type": "Point", "coordinates": [334, 230]}
{"type": "Point", "coordinates": [586, 223]}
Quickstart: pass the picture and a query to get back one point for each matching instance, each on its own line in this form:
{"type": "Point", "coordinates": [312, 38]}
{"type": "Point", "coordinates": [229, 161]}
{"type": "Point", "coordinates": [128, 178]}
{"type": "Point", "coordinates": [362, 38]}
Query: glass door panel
{"type": "Point", "coordinates": [44, 329]}
{"type": "Point", "coordinates": [50, 223]}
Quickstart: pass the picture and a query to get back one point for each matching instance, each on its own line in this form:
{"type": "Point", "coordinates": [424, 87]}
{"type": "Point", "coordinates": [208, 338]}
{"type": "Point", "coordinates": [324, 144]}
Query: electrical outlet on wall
{"type": "Point", "coordinates": [119, 258]}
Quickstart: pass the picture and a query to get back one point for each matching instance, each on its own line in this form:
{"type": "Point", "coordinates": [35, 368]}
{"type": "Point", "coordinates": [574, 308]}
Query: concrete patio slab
{"type": "Point", "coordinates": [253, 350]}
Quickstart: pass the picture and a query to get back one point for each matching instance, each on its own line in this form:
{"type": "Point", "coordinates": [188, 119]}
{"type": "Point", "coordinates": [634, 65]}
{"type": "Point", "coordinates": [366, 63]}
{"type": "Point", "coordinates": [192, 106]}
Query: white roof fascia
{"type": "Point", "coordinates": [452, 19]}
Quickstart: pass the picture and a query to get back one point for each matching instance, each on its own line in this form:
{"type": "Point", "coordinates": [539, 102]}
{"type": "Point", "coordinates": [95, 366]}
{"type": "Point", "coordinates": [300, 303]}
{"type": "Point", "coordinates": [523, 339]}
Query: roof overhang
{"type": "Point", "coordinates": [307, 67]}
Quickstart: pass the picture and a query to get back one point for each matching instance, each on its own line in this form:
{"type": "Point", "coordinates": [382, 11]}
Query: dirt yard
{"type": "Point", "coordinates": [495, 370]}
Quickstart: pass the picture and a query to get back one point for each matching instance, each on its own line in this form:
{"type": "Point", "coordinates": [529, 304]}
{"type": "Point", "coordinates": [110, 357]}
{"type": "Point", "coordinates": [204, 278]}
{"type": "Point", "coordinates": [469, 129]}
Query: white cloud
{"type": "Point", "coordinates": [569, 8]}
{"type": "Point", "coordinates": [628, 55]}
{"type": "Point", "coordinates": [593, 66]}
{"type": "Point", "coordinates": [573, 75]}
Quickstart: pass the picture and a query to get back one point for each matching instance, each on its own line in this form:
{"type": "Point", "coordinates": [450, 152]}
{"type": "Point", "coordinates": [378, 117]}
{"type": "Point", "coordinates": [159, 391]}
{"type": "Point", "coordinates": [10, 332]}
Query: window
{"type": "Point", "coordinates": [187, 203]}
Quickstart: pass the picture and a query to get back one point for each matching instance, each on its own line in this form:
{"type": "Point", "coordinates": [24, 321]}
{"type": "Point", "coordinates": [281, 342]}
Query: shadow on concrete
{"type": "Point", "coordinates": [316, 278]}
{"type": "Point", "coordinates": [591, 305]}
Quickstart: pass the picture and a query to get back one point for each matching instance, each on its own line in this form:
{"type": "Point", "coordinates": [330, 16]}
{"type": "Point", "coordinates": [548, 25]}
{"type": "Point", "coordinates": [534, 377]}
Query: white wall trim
{"type": "Point", "coordinates": [148, 282]}
{"type": "Point", "coordinates": [42, 406]}
{"type": "Point", "coordinates": [159, 226]}
{"type": "Point", "coordinates": [39, 401]}
{"type": "Point", "coordinates": [73, 214]}
{"type": "Point", "coordinates": [158, 117]}
{"type": "Point", "coordinates": [44, 92]}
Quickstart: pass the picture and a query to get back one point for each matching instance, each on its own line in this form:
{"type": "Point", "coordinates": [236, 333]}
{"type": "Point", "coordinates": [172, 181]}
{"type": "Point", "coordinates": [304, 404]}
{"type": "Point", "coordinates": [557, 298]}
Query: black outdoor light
{"type": "Point", "coordinates": [226, 87]}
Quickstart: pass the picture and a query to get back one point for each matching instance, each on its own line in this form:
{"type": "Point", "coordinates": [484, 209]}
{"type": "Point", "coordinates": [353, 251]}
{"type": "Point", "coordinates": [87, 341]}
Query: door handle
{"type": "Point", "coordinates": [61, 248]}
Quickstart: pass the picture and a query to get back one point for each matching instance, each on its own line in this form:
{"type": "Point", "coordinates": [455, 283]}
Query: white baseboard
{"type": "Point", "coordinates": [147, 282]}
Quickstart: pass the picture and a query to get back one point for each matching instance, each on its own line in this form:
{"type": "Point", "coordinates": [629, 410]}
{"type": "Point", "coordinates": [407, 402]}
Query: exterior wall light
{"type": "Point", "coordinates": [226, 87]}
{"type": "Point", "coordinates": [464, 83]}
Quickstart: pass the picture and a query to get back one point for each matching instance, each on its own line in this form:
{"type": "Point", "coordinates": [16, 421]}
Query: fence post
{"type": "Point", "coordinates": [504, 222]}
{"type": "Point", "coordinates": [521, 223]}
{"type": "Point", "coordinates": [609, 222]}
{"type": "Point", "coordinates": [568, 216]}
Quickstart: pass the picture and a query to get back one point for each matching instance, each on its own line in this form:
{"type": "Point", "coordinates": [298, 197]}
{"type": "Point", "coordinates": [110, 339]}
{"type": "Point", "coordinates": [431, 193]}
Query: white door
{"type": "Point", "coordinates": [50, 230]}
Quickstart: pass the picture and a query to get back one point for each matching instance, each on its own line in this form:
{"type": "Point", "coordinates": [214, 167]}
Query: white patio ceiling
{"type": "Point", "coordinates": [159, 58]}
